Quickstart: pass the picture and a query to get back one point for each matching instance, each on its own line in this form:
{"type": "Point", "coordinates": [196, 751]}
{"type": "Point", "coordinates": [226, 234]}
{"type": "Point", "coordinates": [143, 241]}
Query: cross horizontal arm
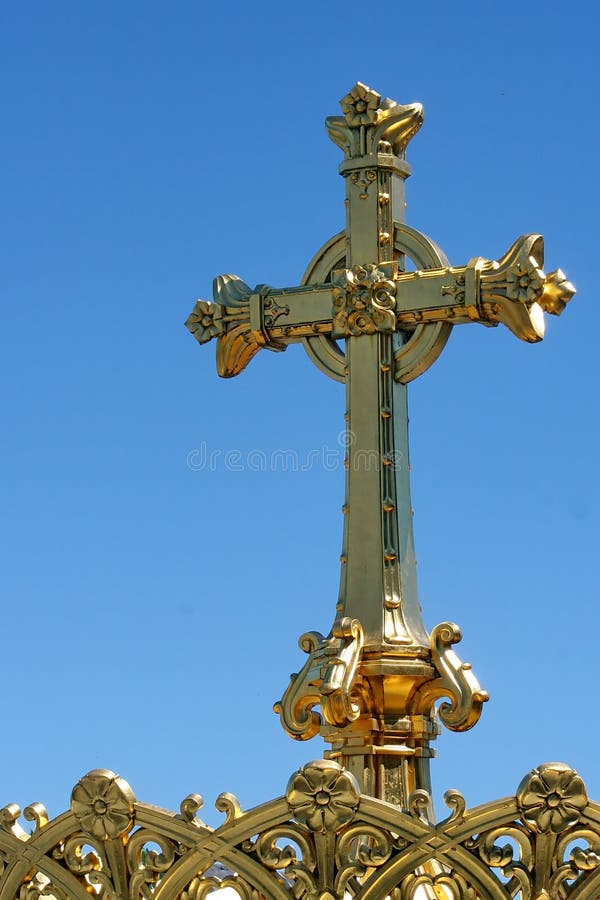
{"type": "Point", "coordinates": [513, 291]}
{"type": "Point", "coordinates": [245, 320]}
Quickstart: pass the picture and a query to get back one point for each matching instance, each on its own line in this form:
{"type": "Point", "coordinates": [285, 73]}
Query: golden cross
{"type": "Point", "coordinates": [378, 672]}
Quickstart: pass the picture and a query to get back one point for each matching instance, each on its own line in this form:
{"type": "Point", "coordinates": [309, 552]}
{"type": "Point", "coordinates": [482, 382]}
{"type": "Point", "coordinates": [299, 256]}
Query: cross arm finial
{"type": "Point", "coordinates": [513, 291]}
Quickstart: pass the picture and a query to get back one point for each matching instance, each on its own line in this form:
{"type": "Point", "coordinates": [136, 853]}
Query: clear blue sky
{"type": "Point", "coordinates": [151, 609]}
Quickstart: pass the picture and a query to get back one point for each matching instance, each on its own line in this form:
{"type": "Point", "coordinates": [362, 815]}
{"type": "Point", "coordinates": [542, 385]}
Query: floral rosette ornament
{"type": "Point", "coordinates": [551, 798]}
{"type": "Point", "coordinates": [205, 321]}
{"type": "Point", "coordinates": [369, 285]}
{"type": "Point", "coordinates": [364, 302]}
{"type": "Point", "coordinates": [102, 803]}
{"type": "Point", "coordinates": [360, 106]}
{"type": "Point", "coordinates": [525, 283]}
{"type": "Point", "coordinates": [323, 796]}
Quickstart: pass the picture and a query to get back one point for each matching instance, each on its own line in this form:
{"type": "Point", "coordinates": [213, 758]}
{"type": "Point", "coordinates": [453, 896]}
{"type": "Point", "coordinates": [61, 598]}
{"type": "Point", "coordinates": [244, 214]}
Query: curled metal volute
{"type": "Point", "coordinates": [146, 863]}
{"type": "Point", "coordinates": [36, 812]}
{"type": "Point", "coordinates": [295, 708]}
{"type": "Point", "coordinates": [501, 855]}
{"type": "Point", "coordinates": [339, 673]}
{"type": "Point", "coordinates": [326, 679]}
{"type": "Point", "coordinates": [188, 808]}
{"type": "Point", "coordinates": [455, 801]}
{"type": "Point", "coordinates": [365, 845]}
{"type": "Point", "coordinates": [585, 858]}
{"type": "Point", "coordinates": [103, 881]}
{"type": "Point", "coordinates": [229, 804]}
{"type": "Point", "coordinates": [75, 859]}
{"type": "Point", "coordinates": [8, 821]}
{"type": "Point", "coordinates": [419, 803]}
{"type": "Point", "coordinates": [456, 681]}
{"type": "Point", "coordinates": [275, 855]}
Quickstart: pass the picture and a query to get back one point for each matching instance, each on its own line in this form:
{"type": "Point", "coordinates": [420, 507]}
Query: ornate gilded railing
{"type": "Point", "coordinates": [321, 841]}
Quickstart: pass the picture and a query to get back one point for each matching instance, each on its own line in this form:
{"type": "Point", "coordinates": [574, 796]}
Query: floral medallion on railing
{"type": "Point", "coordinates": [102, 803]}
{"type": "Point", "coordinates": [323, 796]}
{"type": "Point", "coordinates": [552, 798]}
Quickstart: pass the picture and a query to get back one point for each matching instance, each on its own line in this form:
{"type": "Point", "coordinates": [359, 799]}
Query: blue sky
{"type": "Point", "coordinates": [151, 607]}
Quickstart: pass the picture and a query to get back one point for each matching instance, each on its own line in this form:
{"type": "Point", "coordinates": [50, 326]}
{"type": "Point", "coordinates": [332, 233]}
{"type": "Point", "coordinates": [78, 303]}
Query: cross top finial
{"type": "Point", "coordinates": [372, 125]}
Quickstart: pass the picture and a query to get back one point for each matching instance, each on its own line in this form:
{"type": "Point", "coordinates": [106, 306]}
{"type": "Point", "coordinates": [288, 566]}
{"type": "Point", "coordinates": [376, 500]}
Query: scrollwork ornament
{"type": "Point", "coordinates": [323, 796]}
{"type": "Point", "coordinates": [269, 851]}
{"type": "Point", "coordinates": [77, 861]}
{"type": "Point", "coordinates": [323, 841]}
{"type": "Point", "coordinates": [336, 659]}
{"type": "Point", "coordinates": [456, 681]}
{"type": "Point", "coordinates": [551, 798]}
{"type": "Point", "coordinates": [506, 847]}
{"type": "Point", "coordinates": [102, 803]}
{"type": "Point", "coordinates": [580, 858]}
{"type": "Point", "coordinates": [360, 848]}
{"type": "Point", "coordinates": [147, 865]}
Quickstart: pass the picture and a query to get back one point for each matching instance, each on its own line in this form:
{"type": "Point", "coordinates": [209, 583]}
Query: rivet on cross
{"type": "Point", "coordinates": [378, 673]}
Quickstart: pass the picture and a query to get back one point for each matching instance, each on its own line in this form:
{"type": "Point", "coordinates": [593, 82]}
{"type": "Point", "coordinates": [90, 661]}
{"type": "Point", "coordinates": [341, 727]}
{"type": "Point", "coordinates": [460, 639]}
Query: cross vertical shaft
{"type": "Point", "coordinates": [378, 584]}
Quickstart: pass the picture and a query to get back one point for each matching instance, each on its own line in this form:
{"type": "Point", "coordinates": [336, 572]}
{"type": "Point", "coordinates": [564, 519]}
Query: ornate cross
{"type": "Point", "coordinates": [378, 673]}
